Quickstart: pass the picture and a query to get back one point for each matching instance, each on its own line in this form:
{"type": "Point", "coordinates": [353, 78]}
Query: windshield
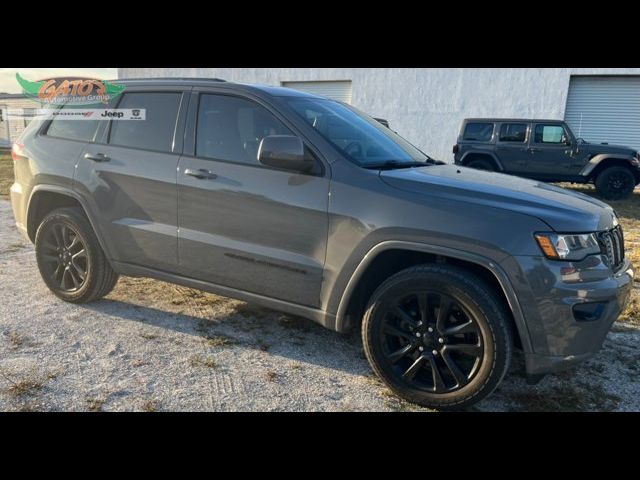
{"type": "Point", "coordinates": [359, 137]}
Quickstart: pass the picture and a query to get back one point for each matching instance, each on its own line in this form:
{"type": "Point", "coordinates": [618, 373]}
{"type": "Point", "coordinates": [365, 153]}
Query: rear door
{"type": "Point", "coordinates": [550, 157]}
{"type": "Point", "coordinates": [512, 147]}
{"type": "Point", "coordinates": [129, 177]}
{"type": "Point", "coordinates": [242, 224]}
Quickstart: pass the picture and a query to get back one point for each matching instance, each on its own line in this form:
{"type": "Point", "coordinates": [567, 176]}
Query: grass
{"type": "Point", "coordinates": [16, 339]}
{"type": "Point", "coordinates": [219, 341]}
{"type": "Point", "coordinates": [29, 384]}
{"type": "Point", "coordinates": [568, 398]}
{"type": "Point", "coordinates": [95, 404]}
{"type": "Point", "coordinates": [150, 406]}
{"type": "Point", "coordinates": [6, 173]}
{"type": "Point", "coordinates": [202, 361]}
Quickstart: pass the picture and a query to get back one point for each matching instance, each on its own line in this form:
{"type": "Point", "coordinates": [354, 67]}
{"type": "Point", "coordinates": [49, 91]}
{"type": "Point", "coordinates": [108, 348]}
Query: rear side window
{"type": "Point", "coordinates": [480, 132]}
{"type": "Point", "coordinates": [513, 132]}
{"type": "Point", "coordinates": [82, 130]}
{"type": "Point", "coordinates": [153, 133]}
{"type": "Point", "coordinates": [231, 128]}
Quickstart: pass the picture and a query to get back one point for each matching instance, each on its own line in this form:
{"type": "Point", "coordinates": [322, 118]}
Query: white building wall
{"type": "Point", "coordinates": [425, 105]}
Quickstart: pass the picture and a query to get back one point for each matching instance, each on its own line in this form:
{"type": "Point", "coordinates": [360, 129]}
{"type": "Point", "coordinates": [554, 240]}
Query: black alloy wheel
{"type": "Point", "coordinates": [438, 335]}
{"type": "Point", "coordinates": [64, 256]}
{"type": "Point", "coordinates": [431, 340]}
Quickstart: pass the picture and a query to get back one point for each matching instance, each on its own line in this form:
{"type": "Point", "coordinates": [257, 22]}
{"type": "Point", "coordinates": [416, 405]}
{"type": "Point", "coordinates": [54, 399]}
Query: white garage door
{"type": "Point", "coordinates": [605, 109]}
{"type": "Point", "coordinates": [337, 90]}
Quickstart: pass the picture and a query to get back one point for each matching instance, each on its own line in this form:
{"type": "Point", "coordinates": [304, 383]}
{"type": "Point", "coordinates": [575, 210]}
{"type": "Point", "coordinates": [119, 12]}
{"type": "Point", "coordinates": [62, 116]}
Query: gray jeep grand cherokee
{"type": "Point", "coordinates": [311, 207]}
{"type": "Point", "coordinates": [547, 150]}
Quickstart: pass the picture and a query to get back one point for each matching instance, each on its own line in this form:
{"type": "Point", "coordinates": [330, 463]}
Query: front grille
{"type": "Point", "coordinates": [612, 245]}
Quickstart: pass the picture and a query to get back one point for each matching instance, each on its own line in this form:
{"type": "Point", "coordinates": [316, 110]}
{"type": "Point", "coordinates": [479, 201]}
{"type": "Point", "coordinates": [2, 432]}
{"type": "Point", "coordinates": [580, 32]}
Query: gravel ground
{"type": "Point", "coordinates": [153, 346]}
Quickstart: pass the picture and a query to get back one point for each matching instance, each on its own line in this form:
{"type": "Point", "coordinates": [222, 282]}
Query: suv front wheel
{"type": "Point", "coordinates": [615, 183]}
{"type": "Point", "coordinates": [437, 336]}
{"type": "Point", "coordinates": [70, 259]}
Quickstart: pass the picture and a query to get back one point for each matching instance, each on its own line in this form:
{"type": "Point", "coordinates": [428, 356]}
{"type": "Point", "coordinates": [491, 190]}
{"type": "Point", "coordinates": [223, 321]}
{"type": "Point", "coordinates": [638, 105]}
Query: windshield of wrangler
{"type": "Point", "coordinates": [362, 139]}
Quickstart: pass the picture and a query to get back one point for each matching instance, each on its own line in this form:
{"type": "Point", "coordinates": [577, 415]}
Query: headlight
{"type": "Point", "coordinates": [568, 246]}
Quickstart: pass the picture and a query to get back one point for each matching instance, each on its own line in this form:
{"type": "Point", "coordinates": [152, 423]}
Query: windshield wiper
{"type": "Point", "coordinates": [392, 164]}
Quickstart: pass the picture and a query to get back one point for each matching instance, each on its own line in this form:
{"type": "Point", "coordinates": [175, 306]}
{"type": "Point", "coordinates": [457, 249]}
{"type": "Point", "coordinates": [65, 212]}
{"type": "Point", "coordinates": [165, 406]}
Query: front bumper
{"type": "Point", "coordinates": [554, 295]}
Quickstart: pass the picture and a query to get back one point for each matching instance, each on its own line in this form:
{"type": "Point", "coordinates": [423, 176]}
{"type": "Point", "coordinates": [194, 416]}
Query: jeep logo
{"type": "Point", "coordinates": [106, 113]}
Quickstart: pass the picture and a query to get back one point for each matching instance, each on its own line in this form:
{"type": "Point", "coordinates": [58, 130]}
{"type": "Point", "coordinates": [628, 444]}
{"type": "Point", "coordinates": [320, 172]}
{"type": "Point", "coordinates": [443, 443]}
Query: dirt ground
{"type": "Point", "coordinates": [152, 346]}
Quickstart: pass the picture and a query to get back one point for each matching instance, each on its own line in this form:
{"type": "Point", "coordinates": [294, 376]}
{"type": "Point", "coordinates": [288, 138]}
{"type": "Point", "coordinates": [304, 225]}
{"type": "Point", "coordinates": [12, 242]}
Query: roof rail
{"type": "Point", "coordinates": [209, 79]}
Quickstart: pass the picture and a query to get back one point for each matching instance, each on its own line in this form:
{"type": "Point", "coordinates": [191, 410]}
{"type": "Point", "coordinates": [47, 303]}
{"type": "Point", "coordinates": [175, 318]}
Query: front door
{"type": "Point", "coordinates": [550, 152]}
{"type": "Point", "coordinates": [241, 224]}
{"type": "Point", "coordinates": [130, 178]}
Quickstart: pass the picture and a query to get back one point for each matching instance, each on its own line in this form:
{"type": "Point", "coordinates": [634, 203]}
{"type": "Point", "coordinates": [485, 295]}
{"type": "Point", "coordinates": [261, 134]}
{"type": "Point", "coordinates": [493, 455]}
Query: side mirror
{"type": "Point", "coordinates": [383, 122]}
{"type": "Point", "coordinates": [285, 152]}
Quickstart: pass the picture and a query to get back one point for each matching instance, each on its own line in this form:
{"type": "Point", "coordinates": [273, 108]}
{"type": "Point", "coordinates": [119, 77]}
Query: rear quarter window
{"type": "Point", "coordinates": [478, 131]}
{"type": "Point", "coordinates": [80, 130]}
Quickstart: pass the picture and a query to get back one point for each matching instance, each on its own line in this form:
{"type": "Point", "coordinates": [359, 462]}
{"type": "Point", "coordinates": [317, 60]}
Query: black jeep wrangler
{"type": "Point", "coordinates": [547, 150]}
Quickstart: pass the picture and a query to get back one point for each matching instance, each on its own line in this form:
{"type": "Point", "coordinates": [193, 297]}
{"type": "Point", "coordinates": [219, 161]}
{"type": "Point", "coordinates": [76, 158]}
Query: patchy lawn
{"type": "Point", "coordinates": [6, 173]}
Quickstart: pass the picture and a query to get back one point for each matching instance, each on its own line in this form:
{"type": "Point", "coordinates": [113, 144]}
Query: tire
{"type": "Point", "coordinates": [482, 165]}
{"type": "Point", "coordinates": [70, 259]}
{"type": "Point", "coordinates": [615, 183]}
{"type": "Point", "coordinates": [474, 336]}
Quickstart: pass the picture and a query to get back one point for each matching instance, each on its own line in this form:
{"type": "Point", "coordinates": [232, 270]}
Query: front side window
{"type": "Point", "coordinates": [478, 131]}
{"type": "Point", "coordinates": [231, 128]}
{"type": "Point", "coordinates": [153, 133]}
{"type": "Point", "coordinates": [359, 137]}
{"type": "Point", "coordinates": [81, 130]}
{"type": "Point", "coordinates": [513, 132]}
{"type": "Point", "coordinates": [553, 134]}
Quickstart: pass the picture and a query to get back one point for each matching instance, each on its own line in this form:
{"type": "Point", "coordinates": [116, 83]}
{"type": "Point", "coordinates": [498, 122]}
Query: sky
{"type": "Point", "coordinates": [8, 83]}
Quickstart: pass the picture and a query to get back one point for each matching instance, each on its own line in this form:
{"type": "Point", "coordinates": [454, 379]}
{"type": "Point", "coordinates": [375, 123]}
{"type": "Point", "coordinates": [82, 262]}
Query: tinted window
{"type": "Point", "coordinates": [359, 137]}
{"type": "Point", "coordinates": [82, 130]}
{"type": "Point", "coordinates": [513, 132]}
{"type": "Point", "coordinates": [231, 128]}
{"type": "Point", "coordinates": [549, 134]}
{"type": "Point", "coordinates": [480, 132]}
{"type": "Point", "coordinates": [153, 133]}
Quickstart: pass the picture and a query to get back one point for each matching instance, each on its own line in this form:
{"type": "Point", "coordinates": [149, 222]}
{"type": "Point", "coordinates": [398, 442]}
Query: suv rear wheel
{"type": "Point", "coordinates": [70, 259]}
{"type": "Point", "coordinates": [437, 336]}
{"type": "Point", "coordinates": [615, 183]}
{"type": "Point", "coordinates": [481, 164]}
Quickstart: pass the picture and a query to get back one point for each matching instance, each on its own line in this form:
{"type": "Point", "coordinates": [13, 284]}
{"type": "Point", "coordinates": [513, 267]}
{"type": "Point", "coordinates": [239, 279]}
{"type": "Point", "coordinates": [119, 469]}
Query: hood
{"type": "Point", "coordinates": [596, 148]}
{"type": "Point", "coordinates": [563, 210]}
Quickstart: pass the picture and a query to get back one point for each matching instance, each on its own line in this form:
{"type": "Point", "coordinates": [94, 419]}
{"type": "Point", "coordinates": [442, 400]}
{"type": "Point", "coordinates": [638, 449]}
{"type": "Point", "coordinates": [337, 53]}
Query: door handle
{"type": "Point", "coordinates": [200, 173]}
{"type": "Point", "coordinates": [97, 157]}
{"type": "Point", "coordinates": [534, 150]}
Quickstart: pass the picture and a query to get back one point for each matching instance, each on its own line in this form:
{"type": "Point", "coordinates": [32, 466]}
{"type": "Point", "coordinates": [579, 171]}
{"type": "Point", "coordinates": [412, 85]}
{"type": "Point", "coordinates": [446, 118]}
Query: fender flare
{"type": "Point", "coordinates": [480, 152]}
{"type": "Point", "coordinates": [69, 193]}
{"type": "Point", "coordinates": [597, 159]}
{"type": "Point", "coordinates": [495, 269]}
